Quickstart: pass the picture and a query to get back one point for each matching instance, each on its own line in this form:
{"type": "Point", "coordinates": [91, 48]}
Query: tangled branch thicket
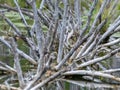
{"type": "Point", "coordinates": [75, 41]}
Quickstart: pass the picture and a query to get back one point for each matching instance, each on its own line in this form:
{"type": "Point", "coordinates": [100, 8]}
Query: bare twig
{"type": "Point", "coordinates": [19, 51]}
{"type": "Point", "coordinates": [20, 12]}
{"type": "Point", "coordinates": [61, 40]}
{"type": "Point", "coordinates": [99, 59]}
{"type": "Point", "coordinates": [17, 64]}
{"type": "Point", "coordinates": [48, 80]}
{"type": "Point", "coordinates": [14, 9]}
{"type": "Point", "coordinates": [89, 17]}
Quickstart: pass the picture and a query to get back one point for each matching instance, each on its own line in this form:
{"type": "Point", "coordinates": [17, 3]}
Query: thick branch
{"type": "Point", "coordinates": [92, 73]}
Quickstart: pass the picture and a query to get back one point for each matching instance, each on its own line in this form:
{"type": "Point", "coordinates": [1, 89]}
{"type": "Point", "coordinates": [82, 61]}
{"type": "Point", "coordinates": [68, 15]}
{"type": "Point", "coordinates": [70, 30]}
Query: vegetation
{"type": "Point", "coordinates": [50, 40]}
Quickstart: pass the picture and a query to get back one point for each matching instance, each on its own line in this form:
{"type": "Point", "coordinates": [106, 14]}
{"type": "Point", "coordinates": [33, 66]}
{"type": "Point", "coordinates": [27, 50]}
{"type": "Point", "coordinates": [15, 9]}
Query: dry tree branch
{"type": "Point", "coordinates": [57, 74]}
{"type": "Point", "coordinates": [20, 12]}
{"type": "Point", "coordinates": [110, 30]}
{"type": "Point", "coordinates": [98, 16]}
{"type": "Point", "coordinates": [61, 40]}
{"type": "Point", "coordinates": [92, 73]}
{"type": "Point", "coordinates": [93, 61]}
{"type": "Point", "coordinates": [17, 63]}
{"type": "Point", "coordinates": [4, 87]}
{"type": "Point", "coordinates": [28, 13]}
{"type": "Point", "coordinates": [7, 67]}
{"type": "Point", "coordinates": [19, 51]}
{"type": "Point", "coordinates": [89, 17]}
